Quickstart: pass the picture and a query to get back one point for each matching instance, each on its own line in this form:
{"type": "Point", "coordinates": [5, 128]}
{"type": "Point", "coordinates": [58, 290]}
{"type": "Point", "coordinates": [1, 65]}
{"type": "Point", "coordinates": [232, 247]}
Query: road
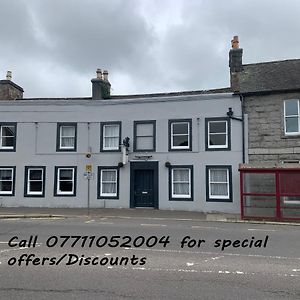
{"type": "Point", "coordinates": [158, 268]}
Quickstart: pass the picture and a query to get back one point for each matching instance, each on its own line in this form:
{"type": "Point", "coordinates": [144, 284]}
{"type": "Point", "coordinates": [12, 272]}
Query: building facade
{"type": "Point", "coordinates": [177, 151]}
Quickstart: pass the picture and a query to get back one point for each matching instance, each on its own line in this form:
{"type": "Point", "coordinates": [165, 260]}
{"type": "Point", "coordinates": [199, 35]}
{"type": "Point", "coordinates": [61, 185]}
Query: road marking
{"type": "Point", "coordinates": [189, 264]}
{"type": "Point", "coordinates": [10, 219]}
{"type": "Point", "coordinates": [157, 225]}
{"type": "Point", "coordinates": [212, 253]}
{"type": "Point", "coordinates": [107, 254]}
{"type": "Point", "coordinates": [90, 221]}
{"type": "Point", "coordinates": [254, 229]}
{"type": "Point", "coordinates": [213, 258]}
{"type": "Point", "coordinates": [296, 270]}
{"type": "Point", "coordinates": [205, 227]}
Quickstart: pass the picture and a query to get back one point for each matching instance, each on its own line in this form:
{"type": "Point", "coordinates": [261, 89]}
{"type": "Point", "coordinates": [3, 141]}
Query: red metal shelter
{"type": "Point", "coordinates": [270, 193]}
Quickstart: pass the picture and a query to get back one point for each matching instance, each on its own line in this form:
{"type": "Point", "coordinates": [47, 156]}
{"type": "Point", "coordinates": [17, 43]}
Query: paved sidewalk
{"type": "Point", "coordinates": [137, 213]}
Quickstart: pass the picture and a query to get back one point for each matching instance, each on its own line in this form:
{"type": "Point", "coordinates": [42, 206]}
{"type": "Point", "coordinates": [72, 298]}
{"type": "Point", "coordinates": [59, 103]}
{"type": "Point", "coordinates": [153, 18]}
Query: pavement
{"type": "Point", "coordinates": [137, 213]}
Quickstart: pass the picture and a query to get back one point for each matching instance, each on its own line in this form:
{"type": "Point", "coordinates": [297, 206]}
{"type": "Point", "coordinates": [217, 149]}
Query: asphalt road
{"type": "Point", "coordinates": [157, 268]}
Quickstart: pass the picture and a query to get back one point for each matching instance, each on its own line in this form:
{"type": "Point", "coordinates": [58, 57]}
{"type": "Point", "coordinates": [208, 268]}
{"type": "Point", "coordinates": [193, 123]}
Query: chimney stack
{"type": "Point", "coordinates": [235, 63]}
{"type": "Point", "coordinates": [101, 85]}
{"type": "Point", "coordinates": [9, 90]}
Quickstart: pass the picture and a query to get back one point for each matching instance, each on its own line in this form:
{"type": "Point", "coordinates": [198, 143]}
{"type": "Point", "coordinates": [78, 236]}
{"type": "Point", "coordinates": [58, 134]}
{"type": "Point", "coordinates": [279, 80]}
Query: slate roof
{"type": "Point", "coordinates": [270, 76]}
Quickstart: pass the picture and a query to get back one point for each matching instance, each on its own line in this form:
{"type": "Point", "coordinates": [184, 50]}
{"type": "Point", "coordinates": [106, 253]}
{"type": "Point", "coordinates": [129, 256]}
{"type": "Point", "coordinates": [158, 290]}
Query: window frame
{"type": "Point", "coordinates": [173, 197]}
{"type": "Point", "coordinates": [56, 178]}
{"type": "Point", "coordinates": [59, 148]}
{"type": "Point", "coordinates": [291, 116]}
{"type": "Point", "coordinates": [189, 134]}
{"type": "Point", "coordinates": [27, 193]}
{"type": "Point", "coordinates": [135, 137]}
{"type": "Point", "coordinates": [13, 148]}
{"type": "Point", "coordinates": [12, 193]}
{"type": "Point", "coordinates": [99, 182]}
{"type": "Point", "coordinates": [227, 146]}
{"type": "Point", "coordinates": [102, 131]}
{"type": "Point", "coordinates": [209, 197]}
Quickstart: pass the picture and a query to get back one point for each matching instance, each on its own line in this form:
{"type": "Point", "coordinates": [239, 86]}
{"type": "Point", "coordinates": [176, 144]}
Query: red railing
{"type": "Point", "coordinates": [270, 193]}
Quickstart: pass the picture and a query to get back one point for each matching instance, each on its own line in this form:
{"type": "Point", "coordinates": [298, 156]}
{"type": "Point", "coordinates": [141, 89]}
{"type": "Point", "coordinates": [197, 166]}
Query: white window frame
{"type": "Point", "coordinates": [187, 196]}
{"type": "Point", "coordinates": [112, 136]}
{"type": "Point", "coordinates": [70, 136]}
{"type": "Point", "coordinates": [58, 191]}
{"type": "Point", "coordinates": [180, 134]}
{"type": "Point", "coordinates": [1, 137]}
{"type": "Point", "coordinates": [12, 182]}
{"type": "Point", "coordinates": [34, 180]}
{"type": "Point", "coordinates": [114, 182]}
{"type": "Point", "coordinates": [291, 116]}
{"type": "Point", "coordinates": [216, 133]}
{"type": "Point", "coordinates": [218, 182]}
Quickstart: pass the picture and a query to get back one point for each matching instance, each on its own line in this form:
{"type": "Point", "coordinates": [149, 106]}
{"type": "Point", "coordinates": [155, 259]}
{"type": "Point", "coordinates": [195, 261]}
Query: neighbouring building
{"type": "Point", "coordinates": [177, 151]}
{"type": "Point", "coordinates": [270, 95]}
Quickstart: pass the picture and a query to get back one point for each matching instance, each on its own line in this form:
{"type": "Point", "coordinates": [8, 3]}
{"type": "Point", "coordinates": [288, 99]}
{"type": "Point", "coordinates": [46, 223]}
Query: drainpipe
{"type": "Point", "coordinates": [242, 119]}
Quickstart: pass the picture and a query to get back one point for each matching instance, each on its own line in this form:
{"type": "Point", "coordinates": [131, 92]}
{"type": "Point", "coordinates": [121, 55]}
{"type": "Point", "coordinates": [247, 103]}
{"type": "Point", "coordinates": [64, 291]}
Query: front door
{"type": "Point", "coordinates": [144, 184]}
{"type": "Point", "coordinates": [143, 188]}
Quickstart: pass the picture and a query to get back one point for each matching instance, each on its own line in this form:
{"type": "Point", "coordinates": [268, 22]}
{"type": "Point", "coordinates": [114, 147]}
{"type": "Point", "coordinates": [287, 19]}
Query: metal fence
{"type": "Point", "coordinates": [270, 193]}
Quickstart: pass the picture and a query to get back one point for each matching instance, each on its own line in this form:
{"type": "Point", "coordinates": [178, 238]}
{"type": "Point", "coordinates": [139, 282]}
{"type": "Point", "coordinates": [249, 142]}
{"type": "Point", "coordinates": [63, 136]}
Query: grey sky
{"type": "Point", "coordinates": [54, 47]}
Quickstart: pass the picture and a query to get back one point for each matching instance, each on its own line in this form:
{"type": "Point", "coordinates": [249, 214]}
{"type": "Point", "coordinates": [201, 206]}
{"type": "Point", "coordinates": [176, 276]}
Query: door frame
{"type": "Point", "coordinates": [149, 165]}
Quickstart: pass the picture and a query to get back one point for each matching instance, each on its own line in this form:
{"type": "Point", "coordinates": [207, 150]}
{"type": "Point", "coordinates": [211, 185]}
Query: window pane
{"type": "Point", "coordinates": [219, 189]}
{"type": "Point", "coordinates": [144, 129]}
{"type": "Point", "coordinates": [35, 174]}
{"type": "Point", "coordinates": [67, 131]}
{"type": "Point", "coordinates": [7, 141]}
{"type": "Point", "coordinates": [218, 175]}
{"type": "Point", "coordinates": [111, 142]}
{"type": "Point", "coordinates": [180, 128]}
{"type": "Point", "coordinates": [109, 188]}
{"type": "Point", "coordinates": [181, 175]}
{"type": "Point", "coordinates": [144, 143]}
{"type": "Point", "coordinates": [109, 175]}
{"type": "Point", "coordinates": [217, 127]}
{"type": "Point", "coordinates": [66, 186]}
{"type": "Point", "coordinates": [65, 174]}
{"type": "Point", "coordinates": [67, 142]}
{"type": "Point", "coordinates": [181, 189]}
{"type": "Point", "coordinates": [217, 139]}
{"type": "Point", "coordinates": [291, 107]}
{"type": "Point", "coordinates": [35, 186]}
{"type": "Point", "coordinates": [8, 131]}
{"type": "Point", "coordinates": [111, 130]}
{"type": "Point", "coordinates": [180, 140]}
{"type": "Point", "coordinates": [5, 174]}
{"type": "Point", "coordinates": [291, 124]}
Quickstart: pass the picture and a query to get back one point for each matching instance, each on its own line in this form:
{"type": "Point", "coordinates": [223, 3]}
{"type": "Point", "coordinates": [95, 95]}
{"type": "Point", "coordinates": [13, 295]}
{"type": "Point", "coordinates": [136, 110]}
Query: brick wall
{"type": "Point", "coordinates": [267, 141]}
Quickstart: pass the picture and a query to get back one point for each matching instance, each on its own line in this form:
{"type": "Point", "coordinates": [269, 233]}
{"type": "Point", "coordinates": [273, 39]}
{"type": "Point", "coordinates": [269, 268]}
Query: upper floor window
{"type": "Point", "coordinates": [217, 134]}
{"type": "Point", "coordinates": [34, 181]}
{"type": "Point", "coordinates": [7, 181]}
{"type": "Point", "coordinates": [180, 134]}
{"type": "Point", "coordinates": [181, 183]}
{"type": "Point", "coordinates": [144, 136]}
{"type": "Point", "coordinates": [218, 180]}
{"type": "Point", "coordinates": [8, 136]}
{"type": "Point", "coordinates": [111, 136]}
{"type": "Point", "coordinates": [66, 137]}
{"type": "Point", "coordinates": [65, 181]}
{"type": "Point", "coordinates": [291, 117]}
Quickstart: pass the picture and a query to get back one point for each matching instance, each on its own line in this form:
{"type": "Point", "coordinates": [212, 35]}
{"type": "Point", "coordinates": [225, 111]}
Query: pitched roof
{"type": "Point", "coordinates": [270, 76]}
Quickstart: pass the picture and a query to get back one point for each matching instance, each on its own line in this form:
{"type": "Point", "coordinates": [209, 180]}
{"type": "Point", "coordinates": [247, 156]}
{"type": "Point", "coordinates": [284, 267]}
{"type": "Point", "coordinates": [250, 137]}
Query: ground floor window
{"type": "Point", "coordinates": [181, 183]}
{"type": "Point", "coordinates": [218, 183]}
{"type": "Point", "coordinates": [7, 175]}
{"type": "Point", "coordinates": [108, 182]}
{"type": "Point", "coordinates": [65, 181]}
{"type": "Point", "coordinates": [34, 182]}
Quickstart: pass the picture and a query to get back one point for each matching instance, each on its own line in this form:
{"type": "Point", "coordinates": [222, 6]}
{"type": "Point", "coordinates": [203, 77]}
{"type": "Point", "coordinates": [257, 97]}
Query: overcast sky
{"type": "Point", "coordinates": [53, 47]}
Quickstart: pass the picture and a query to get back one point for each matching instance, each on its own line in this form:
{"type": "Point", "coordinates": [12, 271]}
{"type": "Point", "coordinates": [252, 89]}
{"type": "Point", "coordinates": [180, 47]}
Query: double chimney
{"type": "Point", "coordinates": [101, 85]}
{"type": "Point", "coordinates": [235, 64]}
{"type": "Point", "coordinates": [9, 90]}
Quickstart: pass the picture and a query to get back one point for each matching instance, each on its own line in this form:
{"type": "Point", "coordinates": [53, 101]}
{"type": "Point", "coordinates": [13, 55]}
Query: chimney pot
{"type": "Point", "coordinates": [105, 75]}
{"type": "Point", "coordinates": [99, 73]}
{"type": "Point", "coordinates": [9, 75]}
{"type": "Point", "coordinates": [235, 42]}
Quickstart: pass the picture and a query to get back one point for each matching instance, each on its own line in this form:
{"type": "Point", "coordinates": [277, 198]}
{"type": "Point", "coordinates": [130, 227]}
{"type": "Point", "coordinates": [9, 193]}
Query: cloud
{"type": "Point", "coordinates": [54, 47]}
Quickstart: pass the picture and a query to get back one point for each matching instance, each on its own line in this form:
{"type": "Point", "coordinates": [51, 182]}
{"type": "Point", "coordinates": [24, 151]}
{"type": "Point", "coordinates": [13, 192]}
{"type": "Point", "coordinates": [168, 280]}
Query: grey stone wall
{"type": "Point", "coordinates": [267, 141]}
